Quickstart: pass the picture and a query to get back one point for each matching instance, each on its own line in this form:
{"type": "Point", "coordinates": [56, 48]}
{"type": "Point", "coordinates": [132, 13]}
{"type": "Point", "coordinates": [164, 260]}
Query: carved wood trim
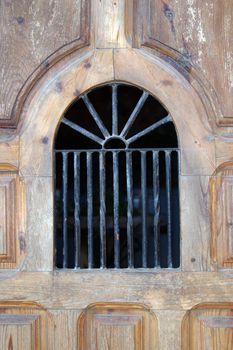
{"type": "Point", "coordinates": [125, 325]}
{"type": "Point", "coordinates": [80, 42]}
{"type": "Point", "coordinates": [12, 214]}
{"type": "Point", "coordinates": [7, 204]}
{"type": "Point", "coordinates": [208, 326]}
{"type": "Point", "coordinates": [221, 192]}
{"type": "Point", "coordinates": [144, 39]}
{"type": "Point", "coordinates": [25, 325]}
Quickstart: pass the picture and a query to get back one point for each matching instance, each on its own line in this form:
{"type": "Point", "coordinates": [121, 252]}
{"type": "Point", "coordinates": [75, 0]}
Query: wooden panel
{"type": "Point", "coordinates": [3, 218]}
{"type": "Point", "coordinates": [117, 326]}
{"type": "Point", "coordinates": [124, 332]}
{"type": "Point", "coordinates": [16, 332]}
{"type": "Point", "coordinates": [197, 34]}
{"type": "Point", "coordinates": [24, 327]}
{"type": "Point", "coordinates": [221, 188]}
{"type": "Point", "coordinates": [209, 327]}
{"type": "Point", "coordinates": [66, 329]}
{"type": "Point", "coordinates": [110, 23]}
{"type": "Point", "coordinates": [7, 217]}
{"type": "Point", "coordinates": [12, 213]}
{"type": "Point", "coordinates": [30, 33]}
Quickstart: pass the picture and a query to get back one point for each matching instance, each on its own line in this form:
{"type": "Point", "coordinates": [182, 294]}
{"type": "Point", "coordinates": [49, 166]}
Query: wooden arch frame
{"type": "Point", "coordinates": [54, 93]}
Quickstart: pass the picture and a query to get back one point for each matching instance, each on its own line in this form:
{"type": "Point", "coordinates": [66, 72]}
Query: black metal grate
{"type": "Point", "coordinates": [117, 205]}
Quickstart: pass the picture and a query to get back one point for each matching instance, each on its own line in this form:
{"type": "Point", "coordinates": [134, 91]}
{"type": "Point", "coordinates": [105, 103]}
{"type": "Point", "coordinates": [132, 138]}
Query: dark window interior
{"type": "Point", "coordinates": [117, 196]}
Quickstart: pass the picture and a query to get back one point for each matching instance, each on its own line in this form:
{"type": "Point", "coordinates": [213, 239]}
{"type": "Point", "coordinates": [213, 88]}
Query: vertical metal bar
{"type": "Point", "coordinates": [129, 182]}
{"type": "Point", "coordinates": [168, 193]}
{"type": "Point", "coordinates": [177, 152]}
{"type": "Point", "coordinates": [64, 201]}
{"type": "Point", "coordinates": [178, 160]}
{"type": "Point", "coordinates": [77, 227]}
{"type": "Point", "coordinates": [55, 218]}
{"type": "Point", "coordinates": [155, 156]}
{"type": "Point", "coordinates": [144, 211]}
{"type": "Point", "coordinates": [89, 209]}
{"type": "Point", "coordinates": [102, 210]}
{"type": "Point", "coordinates": [116, 210]}
{"type": "Point", "coordinates": [114, 110]}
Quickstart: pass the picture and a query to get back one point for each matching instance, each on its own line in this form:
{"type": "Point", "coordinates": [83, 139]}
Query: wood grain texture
{"type": "Point", "coordinates": [198, 35]}
{"type": "Point", "coordinates": [65, 330]}
{"type": "Point", "coordinates": [117, 326]}
{"type": "Point", "coordinates": [24, 327]}
{"type": "Point", "coordinates": [33, 37]}
{"type": "Point", "coordinates": [169, 328]}
{"type": "Point", "coordinates": [183, 56]}
{"type": "Point", "coordinates": [9, 151]}
{"type": "Point", "coordinates": [195, 223]}
{"type": "Point", "coordinates": [163, 290]}
{"type": "Point", "coordinates": [221, 187]}
{"type": "Point", "coordinates": [110, 24]}
{"type": "Point", "coordinates": [224, 147]}
{"type": "Point", "coordinates": [209, 327]}
{"type": "Point", "coordinates": [7, 210]}
{"type": "Point", "coordinates": [39, 240]}
{"type": "Point", "coordinates": [12, 215]}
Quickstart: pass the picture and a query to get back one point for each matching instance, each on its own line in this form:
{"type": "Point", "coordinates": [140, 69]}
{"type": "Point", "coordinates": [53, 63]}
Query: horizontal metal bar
{"type": "Point", "coordinates": [116, 150]}
{"type": "Point", "coordinates": [154, 126]}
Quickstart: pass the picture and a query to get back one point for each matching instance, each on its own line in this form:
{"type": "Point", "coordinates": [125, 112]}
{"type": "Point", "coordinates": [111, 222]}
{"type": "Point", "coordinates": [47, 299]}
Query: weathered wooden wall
{"type": "Point", "coordinates": [198, 34]}
{"type": "Point", "coordinates": [51, 52]}
{"type": "Point", "coordinates": [34, 35]}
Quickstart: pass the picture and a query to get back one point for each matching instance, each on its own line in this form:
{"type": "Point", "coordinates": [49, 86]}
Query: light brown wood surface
{"type": "Point", "coordinates": [24, 326]}
{"type": "Point", "coordinates": [12, 217]}
{"type": "Point", "coordinates": [51, 53]}
{"type": "Point", "coordinates": [208, 327]}
{"type": "Point", "coordinates": [160, 290]}
{"type": "Point", "coordinates": [197, 34]}
{"type": "Point", "coordinates": [117, 326]}
{"type": "Point", "coordinates": [221, 214]}
{"type": "Point", "coordinates": [33, 37]}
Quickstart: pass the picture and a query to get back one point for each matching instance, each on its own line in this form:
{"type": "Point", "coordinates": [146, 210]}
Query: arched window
{"type": "Point", "coordinates": [116, 182]}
